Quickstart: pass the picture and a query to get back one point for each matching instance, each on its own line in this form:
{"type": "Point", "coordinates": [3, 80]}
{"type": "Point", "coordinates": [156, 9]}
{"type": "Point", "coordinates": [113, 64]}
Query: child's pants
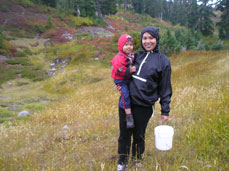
{"type": "Point", "coordinates": [124, 101]}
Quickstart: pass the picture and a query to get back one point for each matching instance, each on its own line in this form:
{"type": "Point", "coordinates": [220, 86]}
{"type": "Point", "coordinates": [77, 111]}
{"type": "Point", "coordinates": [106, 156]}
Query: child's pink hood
{"type": "Point", "coordinates": [122, 40]}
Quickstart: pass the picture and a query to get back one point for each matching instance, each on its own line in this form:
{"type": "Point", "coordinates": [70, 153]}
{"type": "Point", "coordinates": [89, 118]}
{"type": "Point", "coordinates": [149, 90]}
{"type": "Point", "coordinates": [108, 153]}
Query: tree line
{"type": "Point", "coordinates": [194, 14]}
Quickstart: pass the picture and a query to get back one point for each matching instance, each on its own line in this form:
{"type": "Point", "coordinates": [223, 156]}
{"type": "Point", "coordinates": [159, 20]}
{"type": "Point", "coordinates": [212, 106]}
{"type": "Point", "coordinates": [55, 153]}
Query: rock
{"type": "Point", "coordinates": [208, 166]}
{"type": "Point", "coordinates": [23, 113]}
{"type": "Point", "coordinates": [47, 43]}
{"type": "Point", "coordinates": [65, 128]}
{"type": "Point", "coordinates": [9, 83]}
{"type": "Point", "coordinates": [3, 58]}
{"type": "Point", "coordinates": [110, 27]}
{"type": "Point", "coordinates": [58, 64]}
{"type": "Point", "coordinates": [52, 72]}
{"type": "Point", "coordinates": [67, 36]}
{"type": "Point", "coordinates": [52, 64]}
{"type": "Point", "coordinates": [95, 31]}
{"type": "Point", "coordinates": [4, 97]}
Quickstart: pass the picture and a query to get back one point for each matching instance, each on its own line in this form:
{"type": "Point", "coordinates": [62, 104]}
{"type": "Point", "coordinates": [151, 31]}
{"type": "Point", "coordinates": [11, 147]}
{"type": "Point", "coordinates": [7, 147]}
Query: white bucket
{"type": "Point", "coordinates": [163, 137]}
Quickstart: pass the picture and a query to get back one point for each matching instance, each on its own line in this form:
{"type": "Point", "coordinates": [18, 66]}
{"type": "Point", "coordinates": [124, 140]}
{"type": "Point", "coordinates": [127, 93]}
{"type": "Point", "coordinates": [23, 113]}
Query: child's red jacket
{"type": "Point", "coordinates": [121, 66]}
{"type": "Point", "coordinates": [121, 62]}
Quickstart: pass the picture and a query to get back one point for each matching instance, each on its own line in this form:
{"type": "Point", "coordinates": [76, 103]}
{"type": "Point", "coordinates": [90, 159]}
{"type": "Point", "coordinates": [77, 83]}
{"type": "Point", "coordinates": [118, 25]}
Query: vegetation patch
{"type": "Point", "coordinates": [196, 108]}
{"type": "Point", "coordinates": [81, 21]}
{"type": "Point", "coordinates": [18, 61]}
{"type": "Point", "coordinates": [13, 71]}
{"type": "Point", "coordinates": [5, 114]}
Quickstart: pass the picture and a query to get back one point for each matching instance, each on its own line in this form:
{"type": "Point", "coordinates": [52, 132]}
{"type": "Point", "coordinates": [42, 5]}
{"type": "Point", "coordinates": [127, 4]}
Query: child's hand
{"type": "Point", "coordinates": [118, 87]}
{"type": "Point", "coordinates": [132, 69]}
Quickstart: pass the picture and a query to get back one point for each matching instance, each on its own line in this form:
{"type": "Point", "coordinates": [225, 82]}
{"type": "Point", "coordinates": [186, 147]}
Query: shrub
{"type": "Point", "coordinates": [154, 20]}
{"type": "Point", "coordinates": [39, 28]}
{"type": "Point", "coordinates": [222, 33]}
{"type": "Point", "coordinates": [27, 73]}
{"type": "Point", "coordinates": [137, 40]}
{"type": "Point", "coordinates": [217, 46]}
{"type": "Point", "coordinates": [42, 28]}
{"type": "Point", "coordinates": [169, 44]}
{"type": "Point", "coordinates": [4, 9]}
{"type": "Point", "coordinates": [49, 24]}
{"type": "Point", "coordinates": [2, 38]}
{"type": "Point", "coordinates": [99, 21]}
{"type": "Point", "coordinates": [26, 3]}
{"type": "Point", "coordinates": [18, 61]}
{"type": "Point", "coordinates": [35, 107]}
{"type": "Point", "coordinates": [82, 55]}
{"type": "Point", "coordinates": [5, 114]}
{"type": "Point", "coordinates": [180, 35]}
{"type": "Point", "coordinates": [81, 21]}
{"type": "Point", "coordinates": [82, 35]}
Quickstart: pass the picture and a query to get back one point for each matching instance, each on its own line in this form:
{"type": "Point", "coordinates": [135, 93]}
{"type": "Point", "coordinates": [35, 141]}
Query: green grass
{"type": "Point", "coordinates": [199, 115]}
{"type": "Point", "coordinates": [5, 114]}
{"type": "Point", "coordinates": [14, 71]}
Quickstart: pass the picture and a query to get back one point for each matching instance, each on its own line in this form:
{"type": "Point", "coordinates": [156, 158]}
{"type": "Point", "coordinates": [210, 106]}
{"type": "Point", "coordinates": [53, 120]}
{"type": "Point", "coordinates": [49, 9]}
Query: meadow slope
{"type": "Point", "coordinates": [199, 115]}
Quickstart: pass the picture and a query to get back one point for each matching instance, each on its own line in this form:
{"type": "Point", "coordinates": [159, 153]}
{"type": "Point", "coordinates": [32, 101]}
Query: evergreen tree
{"type": "Point", "coordinates": [51, 3]}
{"type": "Point", "coordinates": [192, 15]}
{"type": "Point", "coordinates": [180, 36]}
{"type": "Point", "coordinates": [99, 12]}
{"type": "Point", "coordinates": [107, 7]}
{"type": "Point", "coordinates": [224, 23]}
{"type": "Point", "coordinates": [149, 7]}
{"type": "Point", "coordinates": [169, 43]}
{"type": "Point", "coordinates": [87, 8]}
{"type": "Point", "coordinates": [205, 24]}
{"type": "Point", "coordinates": [138, 6]}
{"type": "Point", "coordinates": [165, 10]}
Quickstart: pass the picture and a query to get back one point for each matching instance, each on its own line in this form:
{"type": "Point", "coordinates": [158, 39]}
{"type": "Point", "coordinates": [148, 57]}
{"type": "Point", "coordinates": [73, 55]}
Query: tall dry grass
{"type": "Point", "coordinates": [199, 115]}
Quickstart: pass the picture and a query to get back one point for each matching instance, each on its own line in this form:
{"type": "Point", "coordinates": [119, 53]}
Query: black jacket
{"type": "Point", "coordinates": [151, 80]}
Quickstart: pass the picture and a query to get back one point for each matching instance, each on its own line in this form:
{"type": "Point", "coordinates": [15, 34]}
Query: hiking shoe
{"type": "Point", "coordinates": [121, 167]}
{"type": "Point", "coordinates": [129, 121]}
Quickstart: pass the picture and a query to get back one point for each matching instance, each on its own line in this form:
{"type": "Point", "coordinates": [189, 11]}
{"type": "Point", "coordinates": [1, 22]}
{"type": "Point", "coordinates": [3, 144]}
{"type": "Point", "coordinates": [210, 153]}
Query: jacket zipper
{"type": "Point", "coordinates": [143, 63]}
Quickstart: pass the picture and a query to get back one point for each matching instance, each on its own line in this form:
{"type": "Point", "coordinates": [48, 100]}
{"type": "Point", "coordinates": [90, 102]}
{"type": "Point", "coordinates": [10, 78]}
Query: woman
{"type": "Point", "coordinates": [150, 82]}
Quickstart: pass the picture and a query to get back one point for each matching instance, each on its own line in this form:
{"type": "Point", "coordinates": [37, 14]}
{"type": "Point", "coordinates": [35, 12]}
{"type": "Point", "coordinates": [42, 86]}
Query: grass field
{"type": "Point", "coordinates": [199, 115]}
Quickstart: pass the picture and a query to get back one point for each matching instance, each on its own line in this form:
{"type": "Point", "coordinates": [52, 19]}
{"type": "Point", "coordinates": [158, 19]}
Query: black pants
{"type": "Point", "coordinates": [141, 118]}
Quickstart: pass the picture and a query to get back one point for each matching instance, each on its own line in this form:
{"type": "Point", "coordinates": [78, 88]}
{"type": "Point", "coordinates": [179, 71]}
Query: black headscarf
{"type": "Point", "coordinates": [154, 32]}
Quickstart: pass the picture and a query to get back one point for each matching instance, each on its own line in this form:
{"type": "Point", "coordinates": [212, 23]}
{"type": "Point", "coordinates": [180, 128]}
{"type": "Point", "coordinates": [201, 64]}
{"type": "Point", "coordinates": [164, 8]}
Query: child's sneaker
{"type": "Point", "coordinates": [121, 167]}
{"type": "Point", "coordinates": [129, 121]}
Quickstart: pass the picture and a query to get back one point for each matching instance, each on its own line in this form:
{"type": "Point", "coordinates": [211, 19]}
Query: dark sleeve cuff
{"type": "Point", "coordinates": [127, 72]}
{"type": "Point", "coordinates": [165, 114]}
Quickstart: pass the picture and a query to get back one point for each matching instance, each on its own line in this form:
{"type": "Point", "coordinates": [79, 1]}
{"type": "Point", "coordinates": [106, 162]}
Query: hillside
{"type": "Point", "coordinates": [57, 68]}
{"type": "Point", "coordinates": [38, 42]}
{"type": "Point", "coordinates": [80, 131]}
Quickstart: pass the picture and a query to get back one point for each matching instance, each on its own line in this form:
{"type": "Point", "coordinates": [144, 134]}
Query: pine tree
{"type": "Point", "coordinates": [205, 24]}
{"type": "Point", "coordinates": [192, 15]}
{"type": "Point", "coordinates": [87, 8]}
{"type": "Point", "coordinates": [224, 23]}
{"type": "Point", "coordinates": [108, 7]}
{"type": "Point", "coordinates": [51, 3]}
{"type": "Point", "coordinates": [138, 6]}
{"type": "Point", "coordinates": [165, 10]}
{"type": "Point", "coordinates": [99, 12]}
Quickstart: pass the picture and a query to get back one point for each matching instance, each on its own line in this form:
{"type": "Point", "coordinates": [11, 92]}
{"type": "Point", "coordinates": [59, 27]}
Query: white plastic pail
{"type": "Point", "coordinates": [163, 137]}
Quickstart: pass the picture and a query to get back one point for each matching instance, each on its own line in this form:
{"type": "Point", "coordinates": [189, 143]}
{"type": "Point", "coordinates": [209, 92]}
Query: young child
{"type": "Point", "coordinates": [121, 72]}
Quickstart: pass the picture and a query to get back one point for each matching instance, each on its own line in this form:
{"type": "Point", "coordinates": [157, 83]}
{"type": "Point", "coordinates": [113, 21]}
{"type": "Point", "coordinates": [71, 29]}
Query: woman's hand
{"type": "Point", "coordinates": [164, 118]}
{"type": "Point", "coordinates": [132, 69]}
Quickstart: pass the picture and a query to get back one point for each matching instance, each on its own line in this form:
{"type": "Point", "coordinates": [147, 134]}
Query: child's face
{"type": "Point", "coordinates": [128, 47]}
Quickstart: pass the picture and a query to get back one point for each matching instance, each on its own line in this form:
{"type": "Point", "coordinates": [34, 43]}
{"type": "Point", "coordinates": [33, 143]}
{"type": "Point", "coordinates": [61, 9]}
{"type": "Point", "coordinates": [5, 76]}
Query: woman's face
{"type": "Point", "coordinates": [148, 42]}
